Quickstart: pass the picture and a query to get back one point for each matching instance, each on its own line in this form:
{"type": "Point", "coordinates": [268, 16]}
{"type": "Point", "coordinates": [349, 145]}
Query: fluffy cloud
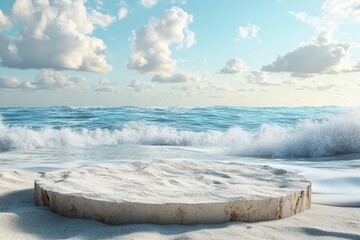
{"type": "Point", "coordinates": [9, 82]}
{"type": "Point", "coordinates": [320, 56]}
{"type": "Point", "coordinates": [260, 78]}
{"type": "Point", "coordinates": [148, 3]}
{"type": "Point", "coordinates": [47, 79]}
{"type": "Point", "coordinates": [138, 86]}
{"type": "Point", "coordinates": [341, 10]}
{"type": "Point", "coordinates": [123, 12]}
{"type": "Point", "coordinates": [5, 23]}
{"type": "Point", "coordinates": [248, 31]}
{"type": "Point", "coordinates": [104, 86]}
{"type": "Point", "coordinates": [102, 20]}
{"type": "Point", "coordinates": [55, 34]}
{"type": "Point", "coordinates": [333, 13]}
{"type": "Point", "coordinates": [150, 44]}
{"type": "Point", "coordinates": [323, 55]}
{"type": "Point", "coordinates": [181, 77]}
{"type": "Point", "coordinates": [233, 66]}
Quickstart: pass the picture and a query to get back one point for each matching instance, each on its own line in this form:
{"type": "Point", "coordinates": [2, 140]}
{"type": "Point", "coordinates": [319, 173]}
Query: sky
{"type": "Point", "coordinates": [179, 53]}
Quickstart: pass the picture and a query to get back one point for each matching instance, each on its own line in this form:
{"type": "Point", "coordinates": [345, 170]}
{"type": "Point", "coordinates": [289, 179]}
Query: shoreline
{"type": "Point", "coordinates": [21, 219]}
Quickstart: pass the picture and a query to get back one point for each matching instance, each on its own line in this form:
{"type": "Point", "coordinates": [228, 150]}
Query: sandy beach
{"type": "Point", "coordinates": [259, 100]}
{"type": "Point", "coordinates": [20, 219]}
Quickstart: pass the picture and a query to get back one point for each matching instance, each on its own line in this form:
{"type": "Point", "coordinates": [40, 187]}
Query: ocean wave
{"type": "Point", "coordinates": [334, 136]}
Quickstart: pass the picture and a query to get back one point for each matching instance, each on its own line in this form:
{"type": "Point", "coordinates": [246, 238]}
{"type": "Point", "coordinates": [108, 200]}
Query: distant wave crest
{"type": "Point", "coordinates": [338, 135]}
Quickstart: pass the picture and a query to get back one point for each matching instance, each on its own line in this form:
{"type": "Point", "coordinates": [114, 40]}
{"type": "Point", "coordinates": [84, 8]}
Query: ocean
{"type": "Point", "coordinates": [321, 143]}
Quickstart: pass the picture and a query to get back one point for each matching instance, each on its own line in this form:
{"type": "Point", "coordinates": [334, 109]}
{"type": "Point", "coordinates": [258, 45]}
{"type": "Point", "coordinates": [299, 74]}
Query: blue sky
{"type": "Point", "coordinates": [179, 53]}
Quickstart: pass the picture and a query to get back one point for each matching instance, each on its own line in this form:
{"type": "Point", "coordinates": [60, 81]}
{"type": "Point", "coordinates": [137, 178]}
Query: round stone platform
{"type": "Point", "coordinates": [174, 193]}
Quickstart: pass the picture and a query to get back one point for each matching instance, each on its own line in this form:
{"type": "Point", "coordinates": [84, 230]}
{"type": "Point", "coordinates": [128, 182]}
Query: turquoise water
{"type": "Point", "coordinates": [193, 119]}
{"type": "Point", "coordinates": [321, 143]}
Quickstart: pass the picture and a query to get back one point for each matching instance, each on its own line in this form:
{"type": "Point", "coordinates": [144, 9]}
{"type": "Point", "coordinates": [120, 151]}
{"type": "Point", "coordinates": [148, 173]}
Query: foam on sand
{"type": "Point", "coordinates": [174, 192]}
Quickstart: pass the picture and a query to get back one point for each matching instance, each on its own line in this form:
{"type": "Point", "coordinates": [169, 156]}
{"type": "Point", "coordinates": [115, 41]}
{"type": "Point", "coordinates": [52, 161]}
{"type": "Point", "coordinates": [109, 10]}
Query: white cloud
{"type": "Point", "coordinates": [187, 91]}
{"type": "Point", "coordinates": [234, 66]}
{"type": "Point", "coordinates": [104, 86]}
{"type": "Point", "coordinates": [102, 20]}
{"type": "Point", "coordinates": [333, 14]}
{"type": "Point", "coordinates": [248, 31]}
{"type": "Point", "coordinates": [342, 10]}
{"type": "Point", "coordinates": [189, 39]}
{"type": "Point", "coordinates": [5, 23]}
{"type": "Point", "coordinates": [9, 82]}
{"type": "Point", "coordinates": [181, 77]}
{"type": "Point", "coordinates": [151, 3]}
{"type": "Point", "coordinates": [151, 44]}
{"type": "Point", "coordinates": [318, 86]}
{"type": "Point", "coordinates": [305, 18]}
{"type": "Point", "coordinates": [216, 88]}
{"type": "Point", "coordinates": [323, 55]}
{"type": "Point", "coordinates": [27, 85]}
{"type": "Point", "coordinates": [47, 79]}
{"type": "Point", "coordinates": [50, 79]}
{"type": "Point", "coordinates": [178, 2]}
{"type": "Point", "coordinates": [138, 86]}
{"type": "Point", "coordinates": [54, 34]}
{"type": "Point", "coordinates": [123, 12]}
{"type": "Point", "coordinates": [99, 4]}
{"type": "Point", "coordinates": [260, 78]}
{"type": "Point", "coordinates": [319, 57]}
{"type": "Point", "coordinates": [148, 3]}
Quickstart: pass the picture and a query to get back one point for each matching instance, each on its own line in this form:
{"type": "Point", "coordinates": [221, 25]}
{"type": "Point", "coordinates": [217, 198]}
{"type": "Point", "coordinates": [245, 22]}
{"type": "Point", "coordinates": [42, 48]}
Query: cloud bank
{"type": "Point", "coordinates": [47, 79]}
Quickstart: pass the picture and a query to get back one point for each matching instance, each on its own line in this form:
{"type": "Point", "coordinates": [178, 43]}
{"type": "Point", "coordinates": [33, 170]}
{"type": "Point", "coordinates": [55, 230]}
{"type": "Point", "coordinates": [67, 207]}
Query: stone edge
{"type": "Point", "coordinates": [173, 213]}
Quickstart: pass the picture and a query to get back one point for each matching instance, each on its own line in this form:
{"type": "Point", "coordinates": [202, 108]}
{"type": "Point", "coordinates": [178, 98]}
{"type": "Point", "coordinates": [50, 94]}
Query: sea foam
{"type": "Point", "coordinates": [334, 136]}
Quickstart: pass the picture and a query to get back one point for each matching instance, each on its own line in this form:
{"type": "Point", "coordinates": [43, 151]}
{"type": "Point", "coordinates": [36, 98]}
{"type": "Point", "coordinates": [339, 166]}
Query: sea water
{"type": "Point", "coordinates": [322, 143]}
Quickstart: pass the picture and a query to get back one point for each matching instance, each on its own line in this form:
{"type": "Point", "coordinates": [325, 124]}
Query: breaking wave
{"type": "Point", "coordinates": [334, 136]}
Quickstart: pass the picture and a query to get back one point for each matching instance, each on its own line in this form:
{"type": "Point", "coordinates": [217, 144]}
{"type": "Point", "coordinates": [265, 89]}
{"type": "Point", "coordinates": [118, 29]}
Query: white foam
{"type": "Point", "coordinates": [338, 135]}
{"type": "Point", "coordinates": [331, 186]}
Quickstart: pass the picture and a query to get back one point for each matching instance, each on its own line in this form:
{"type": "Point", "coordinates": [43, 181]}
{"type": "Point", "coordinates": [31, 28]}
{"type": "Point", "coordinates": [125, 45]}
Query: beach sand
{"type": "Point", "coordinates": [20, 219]}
